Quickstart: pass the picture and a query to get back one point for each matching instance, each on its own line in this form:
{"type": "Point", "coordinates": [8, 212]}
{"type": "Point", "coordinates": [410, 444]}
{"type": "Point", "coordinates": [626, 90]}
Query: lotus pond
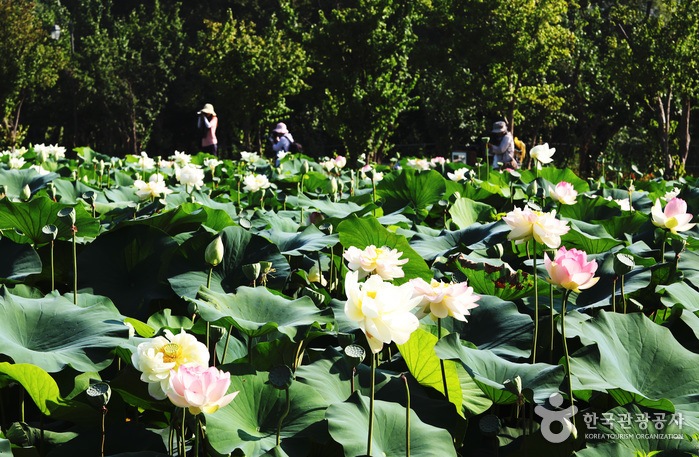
{"type": "Point", "coordinates": [192, 306]}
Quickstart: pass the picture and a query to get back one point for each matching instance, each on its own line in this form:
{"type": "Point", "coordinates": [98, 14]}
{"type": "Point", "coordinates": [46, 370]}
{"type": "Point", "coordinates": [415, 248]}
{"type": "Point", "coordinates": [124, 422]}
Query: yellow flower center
{"type": "Point", "coordinates": [171, 352]}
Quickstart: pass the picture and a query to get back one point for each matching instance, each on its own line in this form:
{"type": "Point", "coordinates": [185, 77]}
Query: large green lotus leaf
{"type": "Point", "coordinates": [186, 218]}
{"type": "Point", "coordinates": [256, 311]}
{"type": "Point", "coordinates": [200, 197]}
{"type": "Point", "coordinates": [590, 209]}
{"type": "Point", "coordinates": [590, 238]}
{"type": "Point", "coordinates": [478, 236]}
{"type": "Point", "coordinates": [249, 422]}
{"type": "Point", "coordinates": [309, 240]}
{"type": "Point", "coordinates": [418, 354]}
{"type": "Point", "coordinates": [129, 266]}
{"type": "Point", "coordinates": [407, 187]}
{"type": "Point", "coordinates": [240, 248]}
{"type": "Point", "coordinates": [43, 389]}
{"type": "Point", "coordinates": [367, 231]}
{"type": "Point", "coordinates": [539, 380]}
{"type": "Point", "coordinates": [637, 439]}
{"type": "Point", "coordinates": [499, 281]}
{"type": "Point", "coordinates": [498, 326]}
{"type": "Point", "coordinates": [600, 294]}
{"type": "Point", "coordinates": [70, 192]}
{"type": "Point", "coordinates": [466, 212]}
{"type": "Point", "coordinates": [15, 180]}
{"type": "Point", "coordinates": [5, 448]}
{"type": "Point", "coordinates": [680, 293]}
{"type": "Point", "coordinates": [19, 260]}
{"type": "Point", "coordinates": [348, 424]}
{"type": "Point", "coordinates": [52, 333]}
{"type": "Point", "coordinates": [633, 354]}
{"type": "Point", "coordinates": [31, 217]}
{"type": "Point", "coordinates": [626, 225]}
{"type": "Point", "coordinates": [329, 208]}
{"type": "Point", "coordinates": [556, 175]}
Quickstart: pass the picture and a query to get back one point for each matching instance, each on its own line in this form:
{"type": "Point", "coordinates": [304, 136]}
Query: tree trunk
{"type": "Point", "coordinates": [684, 129]}
{"type": "Point", "coordinates": [663, 113]}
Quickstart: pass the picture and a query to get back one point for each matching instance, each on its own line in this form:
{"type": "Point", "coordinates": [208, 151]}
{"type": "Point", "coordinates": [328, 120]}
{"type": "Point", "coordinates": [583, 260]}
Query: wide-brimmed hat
{"type": "Point", "coordinates": [281, 129]}
{"type": "Point", "coordinates": [208, 109]}
{"type": "Point", "coordinates": [500, 127]}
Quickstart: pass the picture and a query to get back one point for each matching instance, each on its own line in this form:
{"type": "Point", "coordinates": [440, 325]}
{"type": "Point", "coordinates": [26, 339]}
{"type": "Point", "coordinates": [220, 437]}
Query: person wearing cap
{"type": "Point", "coordinates": [503, 148]}
{"type": "Point", "coordinates": [207, 123]}
{"type": "Point", "coordinates": [281, 138]}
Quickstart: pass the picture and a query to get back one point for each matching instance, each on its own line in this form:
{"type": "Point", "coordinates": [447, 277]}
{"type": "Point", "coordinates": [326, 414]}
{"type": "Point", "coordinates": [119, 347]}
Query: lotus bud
{"type": "Point", "coordinates": [305, 167]}
{"type": "Point", "coordinates": [214, 252]}
{"type": "Point", "coordinates": [102, 166]}
{"type": "Point", "coordinates": [68, 213]}
{"type": "Point", "coordinates": [26, 193]}
{"type": "Point", "coordinates": [623, 264]}
{"type": "Point", "coordinates": [252, 271]}
{"type": "Point", "coordinates": [51, 191]}
{"type": "Point", "coordinates": [333, 185]}
{"type": "Point", "coordinates": [532, 188]}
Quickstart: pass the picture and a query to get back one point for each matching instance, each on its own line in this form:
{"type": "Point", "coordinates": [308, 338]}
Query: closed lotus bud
{"type": "Point", "coordinates": [101, 166]}
{"type": "Point", "coordinates": [623, 264]}
{"type": "Point", "coordinates": [252, 271]}
{"type": "Point", "coordinates": [51, 191]}
{"type": "Point", "coordinates": [26, 193]}
{"type": "Point", "coordinates": [533, 188]}
{"type": "Point", "coordinates": [333, 185]}
{"type": "Point", "coordinates": [305, 167]}
{"type": "Point", "coordinates": [214, 252]}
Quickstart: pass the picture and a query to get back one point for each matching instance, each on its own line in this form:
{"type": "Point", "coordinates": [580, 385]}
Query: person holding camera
{"type": "Point", "coordinates": [281, 138]}
{"type": "Point", "coordinates": [207, 123]}
{"type": "Point", "coordinates": [502, 150]}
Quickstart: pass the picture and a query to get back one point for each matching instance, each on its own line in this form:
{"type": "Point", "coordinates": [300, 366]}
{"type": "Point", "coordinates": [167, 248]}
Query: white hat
{"type": "Point", "coordinates": [500, 127]}
{"type": "Point", "coordinates": [208, 109]}
{"type": "Point", "coordinates": [281, 129]}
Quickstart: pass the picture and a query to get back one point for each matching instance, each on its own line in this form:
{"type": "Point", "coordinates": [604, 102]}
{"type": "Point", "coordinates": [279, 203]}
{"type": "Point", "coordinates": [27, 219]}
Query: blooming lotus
{"type": "Point", "coordinates": [249, 156]}
{"type": "Point", "coordinates": [253, 183]}
{"type": "Point", "coordinates": [181, 159]}
{"type": "Point", "coordinates": [419, 164]}
{"type": "Point", "coordinates": [315, 276]}
{"type": "Point", "coordinates": [571, 270]}
{"type": "Point", "coordinates": [199, 389]}
{"type": "Point", "coordinates": [372, 260]}
{"type": "Point", "coordinates": [674, 217]}
{"type": "Point", "coordinates": [155, 187]}
{"type": "Point", "coordinates": [670, 194]}
{"type": "Point", "coordinates": [145, 162]}
{"type": "Point", "coordinates": [382, 309]}
{"type": "Point", "coordinates": [39, 169]}
{"type": "Point", "coordinates": [340, 161]}
{"type": "Point", "coordinates": [16, 162]}
{"type": "Point", "coordinates": [437, 161]}
{"type": "Point", "coordinates": [543, 227]}
{"type": "Point", "coordinates": [190, 176]}
{"type": "Point", "coordinates": [542, 154]}
{"type": "Point", "coordinates": [156, 358]}
{"type": "Point", "coordinates": [440, 299]}
{"type": "Point", "coordinates": [564, 193]}
{"type": "Point", "coordinates": [211, 164]}
{"type": "Point", "coordinates": [459, 174]}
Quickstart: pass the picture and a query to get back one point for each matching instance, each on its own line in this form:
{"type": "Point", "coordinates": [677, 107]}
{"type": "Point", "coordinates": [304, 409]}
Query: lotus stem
{"type": "Point", "coordinates": [21, 403]}
{"type": "Point", "coordinates": [250, 349]}
{"type": "Point", "coordinates": [74, 229]}
{"type": "Point", "coordinates": [565, 349]}
{"type": "Point", "coordinates": [182, 433]}
{"type": "Point", "coordinates": [614, 295]}
{"type": "Point", "coordinates": [371, 404]}
{"type": "Point", "coordinates": [283, 416]}
{"type": "Point", "coordinates": [103, 430]}
{"type": "Point", "coordinates": [53, 274]}
{"type": "Point", "coordinates": [208, 324]}
{"type": "Point", "coordinates": [196, 435]}
{"type": "Point", "coordinates": [441, 362]}
{"type": "Point", "coordinates": [407, 416]}
{"type": "Point", "coordinates": [225, 346]}
{"type": "Point", "coordinates": [171, 435]}
{"type": "Point", "coordinates": [553, 325]}
{"type": "Point", "coordinates": [623, 297]}
{"type": "Point", "coordinates": [536, 305]}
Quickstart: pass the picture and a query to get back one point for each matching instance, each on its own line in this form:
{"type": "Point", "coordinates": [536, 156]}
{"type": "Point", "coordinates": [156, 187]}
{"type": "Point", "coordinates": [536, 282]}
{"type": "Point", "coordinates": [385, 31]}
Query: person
{"type": "Point", "coordinates": [503, 148]}
{"type": "Point", "coordinates": [281, 138]}
{"type": "Point", "coordinates": [207, 123]}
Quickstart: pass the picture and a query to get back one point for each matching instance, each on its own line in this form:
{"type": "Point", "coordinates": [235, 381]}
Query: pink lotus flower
{"type": "Point", "coordinates": [675, 216]}
{"type": "Point", "coordinates": [543, 227]}
{"type": "Point", "coordinates": [372, 260]}
{"type": "Point", "coordinates": [571, 270]}
{"type": "Point", "coordinates": [441, 299]}
{"type": "Point", "coordinates": [199, 389]}
{"type": "Point", "coordinates": [564, 193]}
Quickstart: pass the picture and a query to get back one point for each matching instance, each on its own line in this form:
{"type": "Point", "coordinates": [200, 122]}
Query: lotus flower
{"type": "Point", "coordinates": [145, 162]}
{"type": "Point", "coordinates": [382, 309]}
{"type": "Point", "coordinates": [571, 270]}
{"type": "Point", "coordinates": [155, 187]}
{"type": "Point", "coordinates": [181, 159]}
{"type": "Point", "coordinates": [190, 176]}
{"type": "Point", "coordinates": [253, 183]}
{"type": "Point", "coordinates": [199, 389]}
{"type": "Point", "coordinates": [674, 217]}
{"type": "Point", "coordinates": [372, 260]}
{"type": "Point", "coordinates": [441, 299]}
{"type": "Point", "coordinates": [156, 358]}
{"type": "Point", "coordinates": [564, 193]}
{"type": "Point", "coordinates": [459, 174]}
{"type": "Point", "coordinates": [543, 227]}
{"type": "Point", "coordinates": [542, 154]}
{"type": "Point", "coordinates": [249, 156]}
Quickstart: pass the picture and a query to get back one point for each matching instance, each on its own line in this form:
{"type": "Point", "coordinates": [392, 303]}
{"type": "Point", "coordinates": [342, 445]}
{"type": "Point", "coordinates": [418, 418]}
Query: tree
{"type": "Point", "coordinates": [30, 62]}
{"type": "Point", "coordinates": [252, 70]}
{"type": "Point", "coordinates": [361, 55]}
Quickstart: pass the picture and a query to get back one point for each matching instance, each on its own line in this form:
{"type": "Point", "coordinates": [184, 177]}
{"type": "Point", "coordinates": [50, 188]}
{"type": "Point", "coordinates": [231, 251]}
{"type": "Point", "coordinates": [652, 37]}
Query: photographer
{"type": "Point", "coordinates": [207, 123]}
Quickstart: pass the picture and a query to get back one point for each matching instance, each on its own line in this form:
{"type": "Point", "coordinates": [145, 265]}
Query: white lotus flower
{"type": "Point", "coordinates": [669, 195]}
{"type": "Point", "coordinates": [249, 156]}
{"type": "Point", "coordinates": [315, 276]}
{"type": "Point", "coordinates": [440, 299]}
{"type": "Point", "coordinates": [190, 176]}
{"type": "Point", "coordinates": [372, 260]}
{"type": "Point", "coordinates": [381, 309]}
{"type": "Point", "coordinates": [155, 187]}
{"type": "Point", "coordinates": [16, 162]}
{"type": "Point", "coordinates": [253, 183]}
{"type": "Point", "coordinates": [340, 161]}
{"type": "Point", "coordinates": [155, 358]}
{"type": "Point", "coordinates": [181, 159]}
{"type": "Point", "coordinates": [418, 164]}
{"type": "Point", "coordinates": [459, 174]}
{"type": "Point", "coordinates": [543, 227]}
{"type": "Point", "coordinates": [211, 164]}
{"type": "Point", "coordinates": [564, 193]}
{"type": "Point", "coordinates": [542, 154]}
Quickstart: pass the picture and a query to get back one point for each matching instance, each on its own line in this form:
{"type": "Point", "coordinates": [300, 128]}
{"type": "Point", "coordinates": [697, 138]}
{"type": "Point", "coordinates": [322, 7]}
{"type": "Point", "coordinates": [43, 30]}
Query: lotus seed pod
{"type": "Point", "coordinates": [514, 385]}
{"type": "Point", "coordinates": [26, 193]}
{"type": "Point", "coordinates": [678, 245]}
{"type": "Point", "coordinates": [68, 213]}
{"type": "Point", "coordinates": [214, 252]}
{"type": "Point", "coordinates": [623, 264]}
{"type": "Point", "coordinates": [281, 377]}
{"type": "Point", "coordinates": [252, 271]}
{"type": "Point", "coordinates": [99, 394]}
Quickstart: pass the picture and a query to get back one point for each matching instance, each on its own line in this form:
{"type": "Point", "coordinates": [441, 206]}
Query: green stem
{"type": "Point", "coordinates": [196, 436]}
{"type": "Point", "coordinates": [53, 275]}
{"type": "Point", "coordinates": [250, 349]}
{"type": "Point", "coordinates": [102, 430]}
{"type": "Point", "coordinates": [182, 434]}
{"type": "Point", "coordinates": [536, 305]}
{"type": "Point", "coordinates": [225, 346]}
{"type": "Point", "coordinates": [441, 362]}
{"type": "Point", "coordinates": [21, 403]}
{"type": "Point", "coordinates": [75, 268]}
{"type": "Point", "coordinates": [371, 404]}
{"type": "Point", "coordinates": [283, 416]}
{"type": "Point", "coordinates": [171, 435]}
{"type": "Point", "coordinates": [208, 324]}
{"type": "Point", "coordinates": [407, 416]}
{"type": "Point", "coordinates": [614, 295]}
{"type": "Point", "coordinates": [565, 349]}
{"type": "Point", "coordinates": [553, 325]}
{"type": "Point", "coordinates": [623, 297]}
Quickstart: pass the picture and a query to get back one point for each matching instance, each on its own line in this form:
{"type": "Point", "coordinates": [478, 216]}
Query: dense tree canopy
{"type": "Point", "coordinates": [603, 81]}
